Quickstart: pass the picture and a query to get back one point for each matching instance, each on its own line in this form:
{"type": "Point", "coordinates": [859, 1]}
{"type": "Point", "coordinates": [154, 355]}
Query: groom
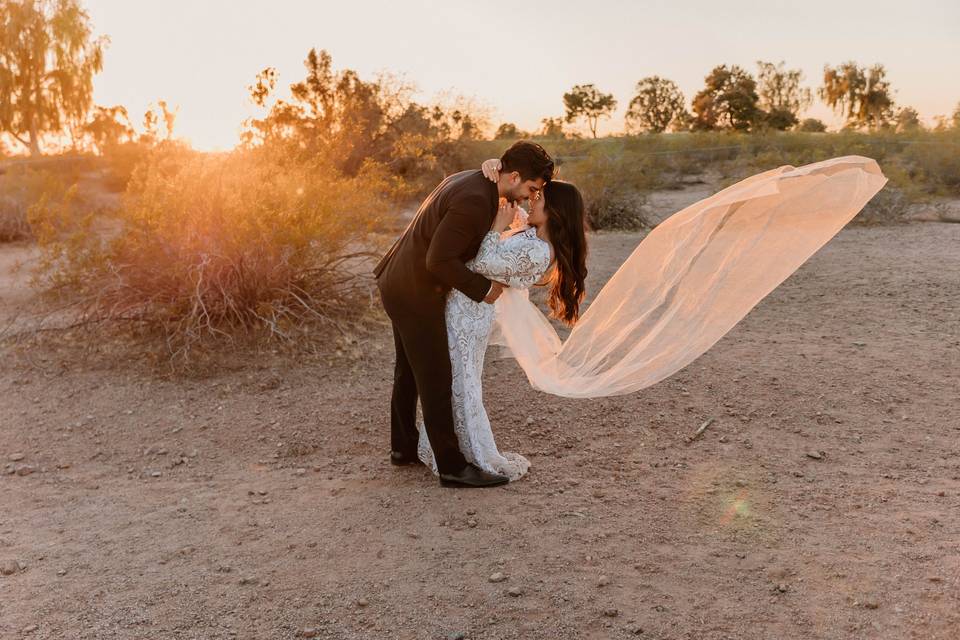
{"type": "Point", "coordinates": [414, 278]}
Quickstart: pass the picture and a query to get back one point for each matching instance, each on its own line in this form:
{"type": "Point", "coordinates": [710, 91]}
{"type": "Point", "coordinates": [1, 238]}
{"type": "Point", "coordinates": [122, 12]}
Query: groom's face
{"type": "Point", "coordinates": [521, 189]}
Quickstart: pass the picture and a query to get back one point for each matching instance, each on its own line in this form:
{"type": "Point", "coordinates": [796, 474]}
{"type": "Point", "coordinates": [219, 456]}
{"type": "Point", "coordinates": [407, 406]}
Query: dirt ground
{"type": "Point", "coordinates": [822, 502]}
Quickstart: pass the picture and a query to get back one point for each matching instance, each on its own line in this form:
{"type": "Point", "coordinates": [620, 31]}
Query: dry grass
{"type": "Point", "coordinates": [212, 248]}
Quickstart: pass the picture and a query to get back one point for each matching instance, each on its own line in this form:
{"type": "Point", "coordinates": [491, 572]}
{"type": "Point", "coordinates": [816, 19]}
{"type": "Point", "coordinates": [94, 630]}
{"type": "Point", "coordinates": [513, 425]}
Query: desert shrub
{"type": "Point", "coordinates": [887, 207]}
{"type": "Point", "coordinates": [214, 247]}
{"type": "Point", "coordinates": [812, 125]}
{"type": "Point", "coordinates": [613, 183]}
{"type": "Point", "coordinates": [934, 161]}
{"type": "Point", "coordinates": [21, 187]}
{"type": "Point", "coordinates": [119, 162]}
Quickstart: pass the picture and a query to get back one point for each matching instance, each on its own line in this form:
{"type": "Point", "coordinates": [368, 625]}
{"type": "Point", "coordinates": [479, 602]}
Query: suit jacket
{"type": "Point", "coordinates": [428, 259]}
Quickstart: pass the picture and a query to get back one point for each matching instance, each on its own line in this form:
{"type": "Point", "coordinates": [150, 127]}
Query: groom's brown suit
{"type": "Point", "coordinates": [414, 278]}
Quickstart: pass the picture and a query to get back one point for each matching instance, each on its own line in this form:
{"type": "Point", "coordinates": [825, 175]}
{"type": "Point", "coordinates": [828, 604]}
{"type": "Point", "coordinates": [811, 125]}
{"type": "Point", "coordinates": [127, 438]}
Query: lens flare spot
{"type": "Point", "coordinates": [737, 507]}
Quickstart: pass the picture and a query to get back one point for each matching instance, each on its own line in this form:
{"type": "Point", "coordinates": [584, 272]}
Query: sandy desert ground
{"type": "Point", "coordinates": [822, 502]}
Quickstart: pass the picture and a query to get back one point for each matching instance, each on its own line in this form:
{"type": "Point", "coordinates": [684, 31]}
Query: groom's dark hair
{"type": "Point", "coordinates": [528, 159]}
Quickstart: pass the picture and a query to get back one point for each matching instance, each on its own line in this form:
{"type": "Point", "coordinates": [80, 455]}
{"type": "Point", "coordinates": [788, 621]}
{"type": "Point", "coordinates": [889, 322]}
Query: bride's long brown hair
{"type": "Point", "coordinates": [566, 226]}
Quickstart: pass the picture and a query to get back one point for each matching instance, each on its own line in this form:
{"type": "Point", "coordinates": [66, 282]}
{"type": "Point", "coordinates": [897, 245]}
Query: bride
{"type": "Point", "coordinates": [689, 281]}
{"type": "Point", "coordinates": [551, 238]}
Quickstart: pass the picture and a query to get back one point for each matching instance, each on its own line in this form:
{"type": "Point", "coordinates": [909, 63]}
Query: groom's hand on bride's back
{"type": "Point", "coordinates": [496, 288]}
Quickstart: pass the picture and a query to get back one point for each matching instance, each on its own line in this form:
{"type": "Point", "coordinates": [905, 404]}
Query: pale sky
{"type": "Point", "coordinates": [516, 58]}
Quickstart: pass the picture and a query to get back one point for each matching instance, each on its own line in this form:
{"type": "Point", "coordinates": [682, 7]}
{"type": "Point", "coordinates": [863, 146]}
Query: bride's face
{"type": "Point", "coordinates": [537, 215]}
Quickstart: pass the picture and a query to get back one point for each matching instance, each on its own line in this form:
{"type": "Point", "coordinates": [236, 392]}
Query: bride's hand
{"type": "Point", "coordinates": [491, 169]}
{"type": "Point", "coordinates": [505, 215]}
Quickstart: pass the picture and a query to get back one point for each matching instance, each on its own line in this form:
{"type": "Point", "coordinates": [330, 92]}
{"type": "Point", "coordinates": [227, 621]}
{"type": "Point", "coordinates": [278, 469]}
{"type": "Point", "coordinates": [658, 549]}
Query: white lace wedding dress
{"type": "Point", "coordinates": [518, 260]}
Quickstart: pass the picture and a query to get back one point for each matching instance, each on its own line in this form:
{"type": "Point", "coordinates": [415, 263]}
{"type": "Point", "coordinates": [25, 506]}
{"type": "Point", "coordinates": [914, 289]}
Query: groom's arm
{"type": "Point", "coordinates": [463, 223]}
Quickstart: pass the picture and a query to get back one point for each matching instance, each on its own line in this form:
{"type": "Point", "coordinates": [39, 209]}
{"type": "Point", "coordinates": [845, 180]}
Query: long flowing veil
{"type": "Point", "coordinates": [689, 281]}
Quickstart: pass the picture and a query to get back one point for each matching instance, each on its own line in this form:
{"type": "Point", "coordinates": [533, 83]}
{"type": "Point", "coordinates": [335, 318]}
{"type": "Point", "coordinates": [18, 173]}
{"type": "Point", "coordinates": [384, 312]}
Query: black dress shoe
{"type": "Point", "coordinates": [471, 476]}
{"type": "Point", "coordinates": [401, 459]}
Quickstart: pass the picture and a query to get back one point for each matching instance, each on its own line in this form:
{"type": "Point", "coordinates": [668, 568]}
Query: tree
{"type": "Point", "coordinates": [781, 97]}
{"type": "Point", "coordinates": [509, 131]}
{"type": "Point", "coordinates": [908, 120]}
{"type": "Point", "coordinates": [351, 121]}
{"type": "Point", "coordinates": [335, 110]}
{"type": "Point", "coordinates": [956, 117]}
{"type": "Point", "coordinates": [552, 128]}
{"type": "Point", "coordinates": [657, 105]}
{"type": "Point", "coordinates": [153, 117]}
{"type": "Point", "coordinates": [48, 58]}
{"type": "Point", "coordinates": [862, 96]}
{"type": "Point", "coordinates": [587, 102]}
{"type": "Point", "coordinates": [109, 126]}
{"type": "Point", "coordinates": [728, 101]}
{"type": "Point", "coordinates": [812, 125]}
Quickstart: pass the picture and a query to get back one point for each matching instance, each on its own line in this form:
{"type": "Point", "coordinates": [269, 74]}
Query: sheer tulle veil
{"type": "Point", "coordinates": [689, 281]}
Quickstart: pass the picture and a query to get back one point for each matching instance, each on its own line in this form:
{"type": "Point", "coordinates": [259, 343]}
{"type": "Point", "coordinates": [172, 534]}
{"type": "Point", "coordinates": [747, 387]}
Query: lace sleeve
{"type": "Point", "coordinates": [517, 261]}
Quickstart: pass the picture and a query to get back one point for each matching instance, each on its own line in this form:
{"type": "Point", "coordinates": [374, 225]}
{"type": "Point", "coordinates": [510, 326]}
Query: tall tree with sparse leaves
{"type": "Point", "coordinates": [587, 102]}
{"type": "Point", "coordinates": [657, 106]}
{"type": "Point", "coordinates": [48, 57]}
{"type": "Point", "coordinates": [861, 95]}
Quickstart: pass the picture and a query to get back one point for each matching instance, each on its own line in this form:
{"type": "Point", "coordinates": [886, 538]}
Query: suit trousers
{"type": "Point", "coordinates": [422, 369]}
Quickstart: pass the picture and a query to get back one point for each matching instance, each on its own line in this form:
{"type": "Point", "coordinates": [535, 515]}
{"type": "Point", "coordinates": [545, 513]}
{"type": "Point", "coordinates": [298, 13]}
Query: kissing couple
{"type": "Point", "coordinates": [470, 240]}
{"type": "Point", "coordinates": [468, 258]}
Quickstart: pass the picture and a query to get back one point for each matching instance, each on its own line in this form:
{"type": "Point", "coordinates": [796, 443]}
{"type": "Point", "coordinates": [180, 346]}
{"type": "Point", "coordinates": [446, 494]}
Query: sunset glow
{"type": "Point", "coordinates": [516, 60]}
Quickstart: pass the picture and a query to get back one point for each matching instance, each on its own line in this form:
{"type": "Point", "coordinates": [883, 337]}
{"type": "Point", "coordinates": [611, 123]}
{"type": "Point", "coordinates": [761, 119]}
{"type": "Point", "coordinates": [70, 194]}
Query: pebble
{"type": "Point", "coordinates": [309, 632]}
{"type": "Point", "coordinates": [497, 577]}
{"type": "Point", "coordinates": [816, 455]}
{"type": "Point", "coordinates": [25, 469]}
{"type": "Point", "coordinates": [515, 592]}
{"type": "Point", "coordinates": [603, 581]}
{"type": "Point", "coordinates": [456, 635]}
{"type": "Point", "coordinates": [782, 587]}
{"type": "Point", "coordinates": [9, 567]}
{"type": "Point", "coordinates": [30, 629]}
{"type": "Point", "coordinates": [362, 602]}
{"type": "Point", "coordinates": [611, 613]}
{"type": "Point", "coordinates": [15, 457]}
